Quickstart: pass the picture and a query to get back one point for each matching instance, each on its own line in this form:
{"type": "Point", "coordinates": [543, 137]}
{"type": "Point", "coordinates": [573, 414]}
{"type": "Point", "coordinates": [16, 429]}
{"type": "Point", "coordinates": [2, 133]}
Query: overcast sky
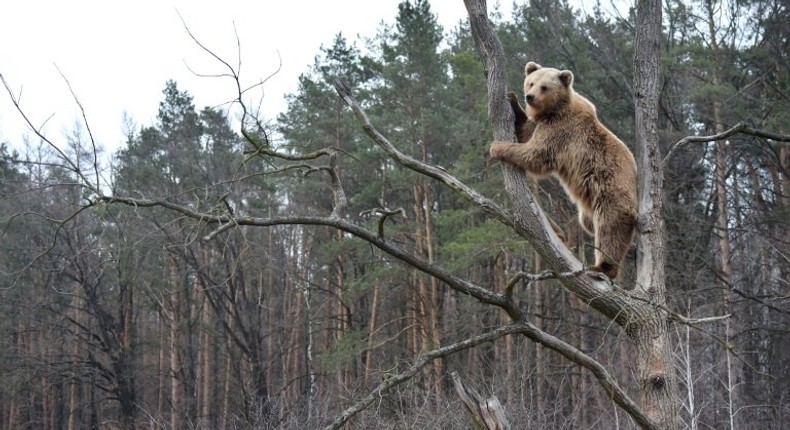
{"type": "Point", "coordinates": [118, 55]}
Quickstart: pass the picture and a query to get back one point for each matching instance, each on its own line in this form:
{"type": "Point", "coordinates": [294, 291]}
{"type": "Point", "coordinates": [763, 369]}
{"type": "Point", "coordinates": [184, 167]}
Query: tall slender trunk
{"type": "Point", "coordinates": [46, 403]}
{"type": "Point", "coordinates": [722, 222]}
{"type": "Point", "coordinates": [125, 360]}
{"type": "Point", "coordinates": [74, 384]}
{"type": "Point", "coordinates": [784, 161]}
{"type": "Point", "coordinates": [655, 373]}
{"type": "Point", "coordinates": [293, 344]}
{"type": "Point", "coordinates": [428, 287]}
{"type": "Point", "coordinates": [227, 383]}
{"type": "Point", "coordinates": [435, 292]}
{"type": "Point", "coordinates": [162, 368]}
{"type": "Point", "coordinates": [722, 207]}
{"type": "Point", "coordinates": [341, 312]}
{"type": "Point", "coordinates": [95, 418]}
{"type": "Point", "coordinates": [205, 375]}
{"type": "Point", "coordinates": [74, 402]}
{"type": "Point", "coordinates": [372, 327]}
{"type": "Point", "coordinates": [176, 372]}
{"type": "Point", "coordinates": [312, 381]}
{"type": "Point", "coordinates": [540, 354]}
{"type": "Point", "coordinates": [13, 412]}
{"type": "Point", "coordinates": [505, 261]}
{"type": "Point", "coordinates": [722, 225]}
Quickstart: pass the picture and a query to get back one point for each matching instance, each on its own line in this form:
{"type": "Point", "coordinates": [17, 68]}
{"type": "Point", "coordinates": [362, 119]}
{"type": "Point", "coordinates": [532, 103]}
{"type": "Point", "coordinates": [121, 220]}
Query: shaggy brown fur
{"type": "Point", "coordinates": [562, 136]}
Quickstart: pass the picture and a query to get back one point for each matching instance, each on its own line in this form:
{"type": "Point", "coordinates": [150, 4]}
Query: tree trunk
{"type": "Point", "coordinates": [784, 161]}
{"type": "Point", "coordinates": [226, 388]}
{"type": "Point", "coordinates": [722, 225]}
{"type": "Point", "coordinates": [205, 375]}
{"type": "Point", "coordinates": [46, 401]}
{"type": "Point", "coordinates": [428, 287]}
{"type": "Point", "coordinates": [74, 384]}
{"type": "Point", "coordinates": [176, 360]}
{"type": "Point", "coordinates": [125, 360]}
{"type": "Point", "coordinates": [73, 406]}
{"type": "Point", "coordinates": [372, 328]}
{"type": "Point", "coordinates": [538, 292]}
{"type": "Point", "coordinates": [655, 370]}
{"type": "Point", "coordinates": [162, 366]}
{"type": "Point", "coordinates": [312, 388]}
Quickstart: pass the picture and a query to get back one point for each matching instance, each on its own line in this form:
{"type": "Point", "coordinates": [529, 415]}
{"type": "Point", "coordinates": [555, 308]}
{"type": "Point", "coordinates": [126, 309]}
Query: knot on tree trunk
{"type": "Point", "coordinates": [657, 381]}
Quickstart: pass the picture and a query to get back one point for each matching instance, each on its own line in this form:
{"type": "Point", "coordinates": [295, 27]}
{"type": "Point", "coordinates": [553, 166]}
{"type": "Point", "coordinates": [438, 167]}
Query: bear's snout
{"type": "Point", "coordinates": [530, 98]}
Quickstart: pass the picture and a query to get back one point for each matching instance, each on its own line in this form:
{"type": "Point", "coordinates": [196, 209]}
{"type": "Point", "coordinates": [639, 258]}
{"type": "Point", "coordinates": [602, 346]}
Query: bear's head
{"type": "Point", "coordinates": [546, 90]}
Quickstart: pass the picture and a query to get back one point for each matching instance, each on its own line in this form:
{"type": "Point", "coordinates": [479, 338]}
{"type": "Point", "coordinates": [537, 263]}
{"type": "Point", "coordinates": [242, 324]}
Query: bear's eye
{"type": "Point", "coordinates": [543, 88]}
{"type": "Point", "coordinates": [531, 84]}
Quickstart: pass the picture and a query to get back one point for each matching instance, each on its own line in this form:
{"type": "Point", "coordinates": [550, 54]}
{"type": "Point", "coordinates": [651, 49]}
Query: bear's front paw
{"type": "Point", "coordinates": [495, 150]}
{"type": "Point", "coordinates": [512, 98]}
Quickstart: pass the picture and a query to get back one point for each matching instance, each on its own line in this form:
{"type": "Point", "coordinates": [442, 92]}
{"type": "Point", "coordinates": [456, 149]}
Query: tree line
{"type": "Point", "coordinates": [209, 277]}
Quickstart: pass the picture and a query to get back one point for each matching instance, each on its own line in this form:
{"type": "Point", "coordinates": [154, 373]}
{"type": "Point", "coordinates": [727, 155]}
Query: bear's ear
{"type": "Point", "coordinates": [531, 67]}
{"type": "Point", "coordinates": [566, 77]}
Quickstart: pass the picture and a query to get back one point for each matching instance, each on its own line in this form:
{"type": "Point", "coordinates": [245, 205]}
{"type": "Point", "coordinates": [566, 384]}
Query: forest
{"type": "Point", "coordinates": [227, 271]}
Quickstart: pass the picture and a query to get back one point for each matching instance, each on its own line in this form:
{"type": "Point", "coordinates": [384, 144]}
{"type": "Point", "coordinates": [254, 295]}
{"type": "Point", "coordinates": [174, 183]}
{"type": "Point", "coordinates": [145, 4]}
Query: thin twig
{"type": "Point", "coordinates": [533, 277]}
{"type": "Point", "coordinates": [87, 127]}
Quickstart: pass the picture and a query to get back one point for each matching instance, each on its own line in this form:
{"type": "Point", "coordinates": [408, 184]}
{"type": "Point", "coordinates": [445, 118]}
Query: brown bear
{"type": "Point", "coordinates": [560, 134]}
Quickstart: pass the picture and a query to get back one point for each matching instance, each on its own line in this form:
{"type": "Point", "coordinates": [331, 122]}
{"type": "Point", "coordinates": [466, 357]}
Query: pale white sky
{"type": "Point", "coordinates": [117, 55]}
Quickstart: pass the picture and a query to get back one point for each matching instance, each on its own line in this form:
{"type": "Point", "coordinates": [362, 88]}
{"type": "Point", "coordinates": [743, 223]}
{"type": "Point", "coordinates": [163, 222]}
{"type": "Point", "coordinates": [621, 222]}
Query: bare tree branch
{"type": "Point", "coordinates": [741, 128]}
{"type": "Point", "coordinates": [234, 74]}
{"type": "Point", "coordinates": [390, 248]}
{"type": "Point", "coordinates": [87, 127]}
{"type": "Point", "coordinates": [71, 165]}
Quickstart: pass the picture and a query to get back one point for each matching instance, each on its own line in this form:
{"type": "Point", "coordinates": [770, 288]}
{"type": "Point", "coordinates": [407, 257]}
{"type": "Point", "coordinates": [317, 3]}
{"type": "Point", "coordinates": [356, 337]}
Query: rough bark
{"type": "Point", "coordinates": [655, 375]}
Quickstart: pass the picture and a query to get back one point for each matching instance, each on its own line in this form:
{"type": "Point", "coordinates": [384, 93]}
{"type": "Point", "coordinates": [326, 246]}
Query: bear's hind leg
{"type": "Point", "coordinates": [612, 241]}
{"type": "Point", "coordinates": [586, 221]}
